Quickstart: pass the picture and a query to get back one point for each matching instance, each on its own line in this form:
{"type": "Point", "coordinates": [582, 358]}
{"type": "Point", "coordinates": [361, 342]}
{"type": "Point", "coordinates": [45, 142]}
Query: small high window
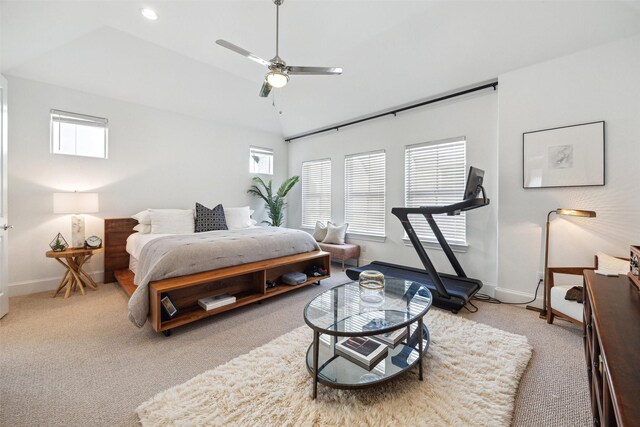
{"type": "Point", "coordinates": [261, 160]}
{"type": "Point", "coordinates": [78, 134]}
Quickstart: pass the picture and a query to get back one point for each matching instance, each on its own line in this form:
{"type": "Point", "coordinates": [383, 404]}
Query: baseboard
{"type": "Point", "coordinates": [488, 289]}
{"type": "Point", "coordinates": [43, 285]}
{"type": "Point", "coordinates": [509, 295]}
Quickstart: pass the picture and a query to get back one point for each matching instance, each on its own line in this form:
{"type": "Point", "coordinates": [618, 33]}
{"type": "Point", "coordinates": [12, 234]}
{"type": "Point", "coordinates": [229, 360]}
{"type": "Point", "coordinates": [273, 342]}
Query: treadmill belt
{"type": "Point", "coordinates": [457, 287]}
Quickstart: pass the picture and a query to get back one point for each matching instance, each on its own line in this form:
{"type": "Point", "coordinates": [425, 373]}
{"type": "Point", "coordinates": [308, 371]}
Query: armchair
{"type": "Point", "coordinates": [556, 304]}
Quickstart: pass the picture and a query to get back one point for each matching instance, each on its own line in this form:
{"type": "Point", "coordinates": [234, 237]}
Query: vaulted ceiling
{"type": "Point", "coordinates": [392, 52]}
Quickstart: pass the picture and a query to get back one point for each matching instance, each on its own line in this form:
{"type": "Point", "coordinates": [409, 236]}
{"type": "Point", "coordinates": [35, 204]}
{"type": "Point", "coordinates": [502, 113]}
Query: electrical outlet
{"type": "Point", "coordinates": [540, 275]}
{"type": "Point", "coordinates": [363, 248]}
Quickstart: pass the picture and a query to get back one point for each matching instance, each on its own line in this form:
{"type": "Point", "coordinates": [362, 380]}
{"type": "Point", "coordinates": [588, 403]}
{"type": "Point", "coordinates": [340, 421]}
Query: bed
{"type": "Point", "coordinates": [189, 267]}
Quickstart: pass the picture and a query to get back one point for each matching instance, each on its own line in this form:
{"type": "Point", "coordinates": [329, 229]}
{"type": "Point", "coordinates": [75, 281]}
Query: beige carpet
{"type": "Point", "coordinates": [471, 376]}
{"type": "Point", "coordinates": [80, 362]}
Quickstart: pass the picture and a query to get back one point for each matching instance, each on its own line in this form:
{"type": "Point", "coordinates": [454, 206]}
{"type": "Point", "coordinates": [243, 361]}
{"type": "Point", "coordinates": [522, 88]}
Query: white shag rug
{"type": "Point", "coordinates": [471, 377]}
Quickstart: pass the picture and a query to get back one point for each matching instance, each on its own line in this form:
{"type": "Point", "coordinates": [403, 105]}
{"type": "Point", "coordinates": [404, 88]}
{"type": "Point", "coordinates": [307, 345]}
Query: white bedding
{"type": "Point", "coordinates": [136, 242]}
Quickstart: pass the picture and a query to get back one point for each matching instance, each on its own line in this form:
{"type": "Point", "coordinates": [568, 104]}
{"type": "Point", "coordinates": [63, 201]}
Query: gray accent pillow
{"type": "Point", "coordinates": [210, 219]}
{"type": "Point", "coordinates": [336, 233]}
{"type": "Point", "coordinates": [320, 231]}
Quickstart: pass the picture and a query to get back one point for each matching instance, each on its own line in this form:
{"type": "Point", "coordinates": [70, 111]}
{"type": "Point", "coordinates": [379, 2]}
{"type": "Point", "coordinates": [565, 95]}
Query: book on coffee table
{"type": "Point", "coordinates": [390, 338]}
{"type": "Point", "coordinates": [363, 351]}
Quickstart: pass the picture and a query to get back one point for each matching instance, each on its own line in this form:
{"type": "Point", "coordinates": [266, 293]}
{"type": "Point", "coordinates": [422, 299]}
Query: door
{"type": "Point", "coordinates": [4, 226]}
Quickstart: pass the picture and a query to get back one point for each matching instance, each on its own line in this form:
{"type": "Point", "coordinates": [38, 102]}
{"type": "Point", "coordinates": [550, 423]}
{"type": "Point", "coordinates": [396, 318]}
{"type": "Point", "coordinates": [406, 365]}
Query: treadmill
{"type": "Point", "coordinates": [449, 291]}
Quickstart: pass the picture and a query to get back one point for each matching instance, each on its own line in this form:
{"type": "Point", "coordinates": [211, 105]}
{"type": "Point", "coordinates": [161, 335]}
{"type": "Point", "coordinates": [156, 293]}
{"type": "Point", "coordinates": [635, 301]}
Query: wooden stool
{"type": "Point", "coordinates": [75, 276]}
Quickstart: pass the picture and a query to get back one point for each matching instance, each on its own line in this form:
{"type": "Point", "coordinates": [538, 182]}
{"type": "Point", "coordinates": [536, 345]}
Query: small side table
{"type": "Point", "coordinates": [75, 276]}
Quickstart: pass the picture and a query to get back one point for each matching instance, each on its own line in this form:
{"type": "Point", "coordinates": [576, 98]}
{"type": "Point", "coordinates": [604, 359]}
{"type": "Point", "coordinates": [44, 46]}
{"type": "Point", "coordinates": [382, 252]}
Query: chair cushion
{"type": "Point", "coordinates": [572, 309]}
{"type": "Point", "coordinates": [341, 252]}
{"type": "Point", "coordinates": [612, 265]}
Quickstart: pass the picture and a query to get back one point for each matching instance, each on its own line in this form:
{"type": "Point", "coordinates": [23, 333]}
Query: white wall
{"type": "Point", "coordinates": [602, 83]}
{"type": "Point", "coordinates": [156, 159]}
{"type": "Point", "coordinates": [474, 117]}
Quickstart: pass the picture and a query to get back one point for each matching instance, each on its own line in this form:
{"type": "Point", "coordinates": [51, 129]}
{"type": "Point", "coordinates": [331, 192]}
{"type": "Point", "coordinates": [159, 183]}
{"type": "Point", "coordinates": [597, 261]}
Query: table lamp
{"type": "Point", "coordinates": [77, 204]}
{"type": "Point", "coordinates": [559, 211]}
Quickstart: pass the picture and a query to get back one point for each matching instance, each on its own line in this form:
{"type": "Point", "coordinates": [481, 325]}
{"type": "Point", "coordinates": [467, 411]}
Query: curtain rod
{"type": "Point", "coordinates": [492, 84]}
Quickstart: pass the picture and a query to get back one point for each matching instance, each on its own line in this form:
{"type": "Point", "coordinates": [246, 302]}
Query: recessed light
{"type": "Point", "coordinates": [149, 14]}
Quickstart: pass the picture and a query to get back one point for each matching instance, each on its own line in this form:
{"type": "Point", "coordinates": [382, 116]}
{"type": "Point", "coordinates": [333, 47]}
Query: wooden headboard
{"type": "Point", "coordinates": [116, 231]}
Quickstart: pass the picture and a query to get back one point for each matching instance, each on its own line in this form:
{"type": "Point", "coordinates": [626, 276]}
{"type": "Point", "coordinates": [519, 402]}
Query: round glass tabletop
{"type": "Point", "coordinates": [340, 311]}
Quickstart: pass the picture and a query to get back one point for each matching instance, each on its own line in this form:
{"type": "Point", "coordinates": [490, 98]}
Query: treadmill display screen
{"type": "Point", "coordinates": [474, 181]}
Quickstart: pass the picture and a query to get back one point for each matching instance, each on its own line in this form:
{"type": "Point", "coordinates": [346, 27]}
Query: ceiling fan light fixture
{"type": "Point", "coordinates": [277, 78]}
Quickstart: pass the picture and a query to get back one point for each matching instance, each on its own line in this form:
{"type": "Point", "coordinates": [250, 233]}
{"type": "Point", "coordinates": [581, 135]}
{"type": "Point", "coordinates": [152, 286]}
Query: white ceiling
{"type": "Point", "coordinates": [392, 52]}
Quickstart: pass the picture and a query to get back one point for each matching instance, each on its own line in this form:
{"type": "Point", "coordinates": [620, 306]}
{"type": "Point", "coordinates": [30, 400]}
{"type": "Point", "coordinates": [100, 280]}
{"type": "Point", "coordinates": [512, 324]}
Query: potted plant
{"type": "Point", "coordinates": [275, 202]}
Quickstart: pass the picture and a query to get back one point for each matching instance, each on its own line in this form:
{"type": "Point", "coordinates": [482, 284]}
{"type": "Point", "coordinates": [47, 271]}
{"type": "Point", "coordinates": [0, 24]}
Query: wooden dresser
{"type": "Point", "coordinates": [612, 349]}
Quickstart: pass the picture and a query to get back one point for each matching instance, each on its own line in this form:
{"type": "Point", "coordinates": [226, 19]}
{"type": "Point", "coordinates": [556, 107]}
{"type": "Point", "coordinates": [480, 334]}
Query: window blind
{"type": "Point", "coordinates": [78, 134]}
{"type": "Point", "coordinates": [316, 192]}
{"type": "Point", "coordinates": [435, 174]}
{"type": "Point", "coordinates": [364, 193]}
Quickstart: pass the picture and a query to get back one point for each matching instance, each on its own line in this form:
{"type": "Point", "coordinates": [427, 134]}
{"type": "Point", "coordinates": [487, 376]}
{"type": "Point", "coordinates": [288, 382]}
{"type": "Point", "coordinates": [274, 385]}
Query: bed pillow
{"type": "Point", "coordinates": [172, 221]}
{"type": "Point", "coordinates": [320, 232]}
{"type": "Point", "coordinates": [335, 233]}
{"type": "Point", "coordinates": [143, 228]}
{"type": "Point", "coordinates": [238, 218]}
{"type": "Point", "coordinates": [612, 265]}
{"type": "Point", "coordinates": [143, 217]}
{"type": "Point", "coordinates": [209, 219]}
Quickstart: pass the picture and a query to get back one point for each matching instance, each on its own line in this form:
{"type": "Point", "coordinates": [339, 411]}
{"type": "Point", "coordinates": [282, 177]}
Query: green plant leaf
{"type": "Point", "coordinates": [275, 203]}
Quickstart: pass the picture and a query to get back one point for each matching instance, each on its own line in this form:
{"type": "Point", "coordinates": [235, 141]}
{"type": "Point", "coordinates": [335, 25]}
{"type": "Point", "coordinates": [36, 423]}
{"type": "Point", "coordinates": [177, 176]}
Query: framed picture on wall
{"type": "Point", "coordinates": [568, 156]}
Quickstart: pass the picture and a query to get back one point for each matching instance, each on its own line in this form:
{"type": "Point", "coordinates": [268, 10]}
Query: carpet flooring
{"type": "Point", "coordinates": [80, 362]}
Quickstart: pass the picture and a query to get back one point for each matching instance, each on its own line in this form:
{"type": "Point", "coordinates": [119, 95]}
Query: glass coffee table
{"type": "Point", "coordinates": [339, 312]}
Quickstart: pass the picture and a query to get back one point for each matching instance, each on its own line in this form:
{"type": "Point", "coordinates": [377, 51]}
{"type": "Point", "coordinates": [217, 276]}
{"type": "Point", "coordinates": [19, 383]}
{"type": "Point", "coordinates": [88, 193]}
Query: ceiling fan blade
{"type": "Point", "coordinates": [243, 52]}
{"type": "Point", "coordinates": [311, 71]}
{"type": "Point", "coordinates": [265, 90]}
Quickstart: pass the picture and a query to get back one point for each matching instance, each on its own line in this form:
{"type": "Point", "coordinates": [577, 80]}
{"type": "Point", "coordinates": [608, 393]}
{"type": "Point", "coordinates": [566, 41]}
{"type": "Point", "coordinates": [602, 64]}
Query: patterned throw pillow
{"type": "Point", "coordinates": [210, 219]}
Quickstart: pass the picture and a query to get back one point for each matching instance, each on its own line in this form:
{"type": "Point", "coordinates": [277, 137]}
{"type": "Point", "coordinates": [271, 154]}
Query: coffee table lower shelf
{"type": "Point", "coordinates": [337, 372]}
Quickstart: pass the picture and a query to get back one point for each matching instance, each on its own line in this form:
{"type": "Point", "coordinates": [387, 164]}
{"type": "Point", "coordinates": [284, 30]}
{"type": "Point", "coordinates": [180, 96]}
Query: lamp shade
{"type": "Point", "coordinates": [576, 212]}
{"type": "Point", "coordinates": [75, 203]}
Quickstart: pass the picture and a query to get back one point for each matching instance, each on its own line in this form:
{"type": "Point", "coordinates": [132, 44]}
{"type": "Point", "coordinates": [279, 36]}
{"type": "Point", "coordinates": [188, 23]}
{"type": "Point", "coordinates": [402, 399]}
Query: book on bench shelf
{"type": "Point", "coordinates": [216, 301]}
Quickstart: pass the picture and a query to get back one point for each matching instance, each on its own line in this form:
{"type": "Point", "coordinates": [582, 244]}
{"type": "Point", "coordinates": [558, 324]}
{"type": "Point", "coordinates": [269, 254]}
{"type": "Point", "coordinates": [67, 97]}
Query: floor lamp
{"type": "Point", "coordinates": [559, 211]}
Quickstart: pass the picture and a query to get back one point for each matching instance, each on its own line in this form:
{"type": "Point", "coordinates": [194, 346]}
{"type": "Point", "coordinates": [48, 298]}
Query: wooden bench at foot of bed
{"type": "Point", "coordinates": [247, 282]}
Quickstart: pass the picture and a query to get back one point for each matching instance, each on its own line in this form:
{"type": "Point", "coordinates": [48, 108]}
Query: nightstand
{"type": "Point", "coordinates": [75, 276]}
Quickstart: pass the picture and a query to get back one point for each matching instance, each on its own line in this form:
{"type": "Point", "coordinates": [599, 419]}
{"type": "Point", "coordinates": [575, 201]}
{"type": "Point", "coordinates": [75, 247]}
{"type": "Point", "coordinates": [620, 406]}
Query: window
{"type": "Point", "coordinates": [435, 175]}
{"type": "Point", "coordinates": [364, 193]}
{"type": "Point", "coordinates": [261, 160]}
{"type": "Point", "coordinates": [78, 134]}
{"type": "Point", "coordinates": [316, 192]}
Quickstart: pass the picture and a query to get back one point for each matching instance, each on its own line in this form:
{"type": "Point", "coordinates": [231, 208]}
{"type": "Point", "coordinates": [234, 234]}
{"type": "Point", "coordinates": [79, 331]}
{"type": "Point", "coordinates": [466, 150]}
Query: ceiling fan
{"type": "Point", "coordinates": [279, 71]}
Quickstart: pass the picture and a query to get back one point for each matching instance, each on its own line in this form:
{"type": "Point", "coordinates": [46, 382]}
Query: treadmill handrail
{"type": "Point", "coordinates": [465, 205]}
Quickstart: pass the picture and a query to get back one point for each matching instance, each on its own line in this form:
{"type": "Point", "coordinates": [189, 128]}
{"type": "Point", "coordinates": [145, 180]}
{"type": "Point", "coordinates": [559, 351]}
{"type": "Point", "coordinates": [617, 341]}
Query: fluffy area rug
{"type": "Point", "coordinates": [472, 373]}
